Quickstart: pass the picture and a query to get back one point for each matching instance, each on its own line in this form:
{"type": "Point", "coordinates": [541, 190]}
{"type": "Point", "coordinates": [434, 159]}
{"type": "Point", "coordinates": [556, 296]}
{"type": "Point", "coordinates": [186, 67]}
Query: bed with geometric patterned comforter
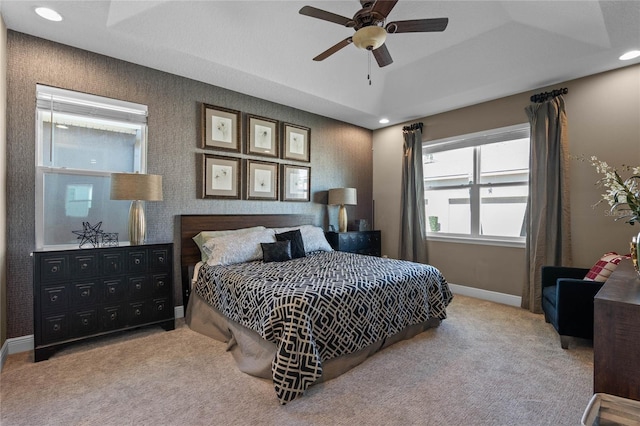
{"type": "Point", "coordinates": [322, 306]}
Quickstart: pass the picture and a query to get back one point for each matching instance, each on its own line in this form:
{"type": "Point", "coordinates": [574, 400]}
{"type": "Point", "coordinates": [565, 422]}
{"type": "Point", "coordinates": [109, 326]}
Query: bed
{"type": "Point", "coordinates": [298, 321]}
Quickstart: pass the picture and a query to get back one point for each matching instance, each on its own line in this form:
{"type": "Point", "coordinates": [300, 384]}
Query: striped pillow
{"type": "Point", "coordinates": [604, 267]}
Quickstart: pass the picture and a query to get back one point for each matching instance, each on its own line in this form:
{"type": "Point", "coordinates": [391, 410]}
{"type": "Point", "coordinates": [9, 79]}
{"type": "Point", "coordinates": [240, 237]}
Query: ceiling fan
{"type": "Point", "coordinates": [371, 31]}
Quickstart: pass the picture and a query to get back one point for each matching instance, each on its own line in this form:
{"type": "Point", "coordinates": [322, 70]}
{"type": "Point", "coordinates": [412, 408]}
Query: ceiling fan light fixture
{"type": "Point", "coordinates": [369, 38]}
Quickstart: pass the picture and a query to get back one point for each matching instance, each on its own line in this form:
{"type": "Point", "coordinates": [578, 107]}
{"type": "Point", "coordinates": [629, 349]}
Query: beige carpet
{"type": "Point", "coordinates": [487, 364]}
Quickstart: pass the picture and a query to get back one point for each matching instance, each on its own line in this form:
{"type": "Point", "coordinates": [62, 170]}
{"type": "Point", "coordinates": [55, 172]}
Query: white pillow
{"type": "Point", "coordinates": [203, 236]}
{"type": "Point", "coordinates": [312, 237]}
{"type": "Point", "coordinates": [237, 247]}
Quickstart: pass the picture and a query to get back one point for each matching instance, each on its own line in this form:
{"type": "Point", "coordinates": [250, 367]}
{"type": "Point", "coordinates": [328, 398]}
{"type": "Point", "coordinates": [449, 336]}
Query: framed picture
{"type": "Point", "coordinates": [296, 142]}
{"type": "Point", "coordinates": [220, 177]}
{"type": "Point", "coordinates": [296, 183]}
{"type": "Point", "coordinates": [262, 180]}
{"type": "Point", "coordinates": [262, 136]}
{"type": "Point", "coordinates": [221, 128]}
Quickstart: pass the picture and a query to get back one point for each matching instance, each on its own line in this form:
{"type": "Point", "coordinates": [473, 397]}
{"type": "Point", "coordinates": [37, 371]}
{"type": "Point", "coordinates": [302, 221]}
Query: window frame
{"type": "Point", "coordinates": [52, 100]}
{"type": "Point", "coordinates": [475, 141]}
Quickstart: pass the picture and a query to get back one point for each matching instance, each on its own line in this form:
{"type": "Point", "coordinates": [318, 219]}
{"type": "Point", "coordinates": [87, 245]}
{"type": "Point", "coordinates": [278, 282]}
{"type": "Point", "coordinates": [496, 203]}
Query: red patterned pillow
{"type": "Point", "coordinates": [604, 267]}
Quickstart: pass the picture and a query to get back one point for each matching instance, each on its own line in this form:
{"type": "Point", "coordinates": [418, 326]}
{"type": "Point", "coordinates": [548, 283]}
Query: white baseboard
{"type": "Point", "coordinates": [4, 351]}
{"type": "Point", "coordinates": [492, 296]}
{"type": "Point", "coordinates": [25, 343]}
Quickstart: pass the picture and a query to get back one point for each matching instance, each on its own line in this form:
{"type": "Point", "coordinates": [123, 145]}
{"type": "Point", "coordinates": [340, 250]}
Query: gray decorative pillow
{"type": "Point", "coordinates": [237, 248]}
{"type": "Point", "coordinates": [280, 251]}
{"type": "Point", "coordinates": [297, 245]}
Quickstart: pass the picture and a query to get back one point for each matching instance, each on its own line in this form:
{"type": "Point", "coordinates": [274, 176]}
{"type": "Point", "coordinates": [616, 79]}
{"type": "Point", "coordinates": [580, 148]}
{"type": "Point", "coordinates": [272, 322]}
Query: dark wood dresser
{"type": "Point", "coordinates": [86, 293]}
{"type": "Point", "coordinates": [616, 340]}
{"type": "Point", "coordinates": [361, 242]}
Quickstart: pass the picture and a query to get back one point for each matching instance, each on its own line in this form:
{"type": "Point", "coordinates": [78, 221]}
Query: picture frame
{"type": "Point", "coordinates": [262, 180]}
{"type": "Point", "coordinates": [296, 183]}
{"type": "Point", "coordinates": [221, 128]}
{"type": "Point", "coordinates": [220, 177]}
{"type": "Point", "coordinates": [262, 136]}
{"type": "Point", "coordinates": [296, 142]}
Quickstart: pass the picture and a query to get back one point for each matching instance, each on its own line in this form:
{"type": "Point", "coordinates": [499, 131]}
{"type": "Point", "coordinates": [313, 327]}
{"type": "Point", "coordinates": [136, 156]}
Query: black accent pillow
{"type": "Point", "coordinates": [276, 252]}
{"type": "Point", "coordinates": [297, 245]}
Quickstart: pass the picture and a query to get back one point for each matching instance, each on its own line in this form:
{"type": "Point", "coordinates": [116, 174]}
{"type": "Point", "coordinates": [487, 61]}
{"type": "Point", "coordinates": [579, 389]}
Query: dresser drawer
{"type": "Point", "coordinates": [161, 309]}
{"type": "Point", "coordinates": [84, 293]}
{"type": "Point", "coordinates": [136, 261]}
{"type": "Point", "coordinates": [84, 323]}
{"type": "Point", "coordinates": [159, 259]}
{"type": "Point", "coordinates": [54, 328]}
{"type": "Point", "coordinates": [160, 284]}
{"type": "Point", "coordinates": [54, 298]}
{"type": "Point", "coordinates": [54, 268]}
{"type": "Point", "coordinates": [113, 317]}
{"type": "Point", "coordinates": [138, 313]}
{"type": "Point", "coordinates": [138, 287]}
{"type": "Point", "coordinates": [114, 290]}
{"type": "Point", "coordinates": [84, 266]}
{"type": "Point", "coordinates": [112, 263]}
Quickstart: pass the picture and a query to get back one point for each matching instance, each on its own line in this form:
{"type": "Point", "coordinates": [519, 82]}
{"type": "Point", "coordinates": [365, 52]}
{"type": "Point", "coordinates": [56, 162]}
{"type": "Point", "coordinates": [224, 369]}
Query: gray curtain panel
{"type": "Point", "coordinates": [548, 240]}
{"type": "Point", "coordinates": [413, 244]}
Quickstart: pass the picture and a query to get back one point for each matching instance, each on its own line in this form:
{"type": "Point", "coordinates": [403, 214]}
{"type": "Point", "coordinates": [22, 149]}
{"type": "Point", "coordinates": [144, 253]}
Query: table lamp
{"type": "Point", "coordinates": [342, 197]}
{"type": "Point", "coordinates": [138, 188]}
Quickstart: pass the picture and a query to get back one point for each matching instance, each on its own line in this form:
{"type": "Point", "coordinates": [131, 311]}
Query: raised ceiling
{"type": "Point", "coordinates": [489, 50]}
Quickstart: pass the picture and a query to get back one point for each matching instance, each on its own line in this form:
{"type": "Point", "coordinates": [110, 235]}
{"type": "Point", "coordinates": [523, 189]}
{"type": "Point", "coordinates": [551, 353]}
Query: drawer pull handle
{"type": "Point", "coordinates": [56, 327]}
{"type": "Point", "coordinates": [53, 297]}
{"type": "Point", "coordinates": [112, 290]}
{"type": "Point", "coordinates": [138, 312]}
{"type": "Point", "coordinates": [161, 259]}
{"type": "Point", "coordinates": [160, 307]}
{"type": "Point", "coordinates": [85, 293]}
{"type": "Point", "coordinates": [54, 269]}
{"type": "Point", "coordinates": [113, 316]}
{"type": "Point", "coordinates": [85, 321]}
{"type": "Point", "coordinates": [138, 286]}
{"type": "Point", "coordinates": [84, 266]}
{"type": "Point", "coordinates": [136, 261]}
{"type": "Point", "coordinates": [160, 283]}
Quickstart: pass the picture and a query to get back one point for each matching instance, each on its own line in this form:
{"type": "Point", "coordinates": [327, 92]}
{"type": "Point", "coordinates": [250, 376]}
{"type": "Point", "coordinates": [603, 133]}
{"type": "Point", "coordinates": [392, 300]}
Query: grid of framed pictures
{"type": "Point", "coordinates": [235, 177]}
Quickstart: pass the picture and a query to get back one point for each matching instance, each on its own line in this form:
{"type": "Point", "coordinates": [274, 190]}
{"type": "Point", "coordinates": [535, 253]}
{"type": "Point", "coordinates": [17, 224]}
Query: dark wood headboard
{"type": "Point", "coordinates": [191, 225]}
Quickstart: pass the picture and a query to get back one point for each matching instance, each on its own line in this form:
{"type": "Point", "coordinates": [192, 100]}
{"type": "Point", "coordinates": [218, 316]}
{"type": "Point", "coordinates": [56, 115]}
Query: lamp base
{"type": "Point", "coordinates": [137, 223]}
{"type": "Point", "coordinates": [342, 219]}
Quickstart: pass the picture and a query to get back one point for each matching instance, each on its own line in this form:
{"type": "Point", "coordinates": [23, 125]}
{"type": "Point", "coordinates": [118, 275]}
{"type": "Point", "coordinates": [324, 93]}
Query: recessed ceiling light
{"type": "Point", "coordinates": [632, 54]}
{"type": "Point", "coordinates": [48, 14]}
{"type": "Point", "coordinates": [383, 121]}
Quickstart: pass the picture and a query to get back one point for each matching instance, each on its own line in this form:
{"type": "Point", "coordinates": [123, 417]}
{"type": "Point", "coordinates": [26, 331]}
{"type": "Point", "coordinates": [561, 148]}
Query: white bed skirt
{"type": "Point", "coordinates": [254, 355]}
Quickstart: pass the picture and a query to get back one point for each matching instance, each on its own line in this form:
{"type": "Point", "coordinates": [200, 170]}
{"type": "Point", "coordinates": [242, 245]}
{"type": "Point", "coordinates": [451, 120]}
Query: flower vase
{"type": "Point", "coordinates": [635, 249]}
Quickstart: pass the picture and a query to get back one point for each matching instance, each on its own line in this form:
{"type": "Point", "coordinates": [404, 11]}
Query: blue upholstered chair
{"type": "Point", "coordinates": [567, 301]}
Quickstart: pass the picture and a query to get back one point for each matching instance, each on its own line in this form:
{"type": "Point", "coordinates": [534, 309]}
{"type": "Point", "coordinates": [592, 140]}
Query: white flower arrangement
{"type": "Point", "coordinates": [623, 196]}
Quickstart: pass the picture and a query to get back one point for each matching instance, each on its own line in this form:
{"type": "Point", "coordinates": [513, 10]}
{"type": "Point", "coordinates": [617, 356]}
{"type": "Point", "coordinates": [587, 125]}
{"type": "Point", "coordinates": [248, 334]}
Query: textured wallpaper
{"type": "Point", "coordinates": [341, 154]}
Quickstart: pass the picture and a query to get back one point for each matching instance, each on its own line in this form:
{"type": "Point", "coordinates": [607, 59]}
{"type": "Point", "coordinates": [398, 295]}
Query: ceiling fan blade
{"type": "Point", "coordinates": [383, 8]}
{"type": "Point", "coordinates": [382, 55]}
{"type": "Point", "coordinates": [326, 16]}
{"type": "Point", "coordinates": [417, 25]}
{"type": "Point", "coordinates": [333, 49]}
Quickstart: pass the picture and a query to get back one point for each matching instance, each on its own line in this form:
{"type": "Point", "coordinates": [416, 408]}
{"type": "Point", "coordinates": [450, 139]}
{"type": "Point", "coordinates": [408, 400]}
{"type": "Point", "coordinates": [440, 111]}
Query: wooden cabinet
{"type": "Point", "coordinates": [362, 242]}
{"type": "Point", "coordinates": [85, 293]}
{"type": "Point", "coordinates": [616, 340]}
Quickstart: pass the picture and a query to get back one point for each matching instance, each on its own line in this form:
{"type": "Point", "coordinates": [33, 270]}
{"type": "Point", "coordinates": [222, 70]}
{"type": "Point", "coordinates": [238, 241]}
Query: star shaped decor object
{"type": "Point", "coordinates": [89, 234]}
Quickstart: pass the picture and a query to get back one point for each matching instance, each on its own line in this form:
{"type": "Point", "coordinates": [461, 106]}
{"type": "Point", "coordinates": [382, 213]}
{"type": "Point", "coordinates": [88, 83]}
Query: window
{"type": "Point", "coordinates": [476, 185]}
{"type": "Point", "coordinates": [80, 140]}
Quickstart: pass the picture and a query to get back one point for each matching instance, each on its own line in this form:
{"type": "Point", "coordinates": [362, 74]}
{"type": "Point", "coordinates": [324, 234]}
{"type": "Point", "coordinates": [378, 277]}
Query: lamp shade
{"type": "Point", "coordinates": [136, 186]}
{"type": "Point", "coordinates": [342, 196]}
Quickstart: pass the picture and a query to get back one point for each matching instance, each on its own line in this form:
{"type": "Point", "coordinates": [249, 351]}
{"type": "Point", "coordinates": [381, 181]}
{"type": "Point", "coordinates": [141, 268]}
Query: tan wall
{"type": "Point", "coordinates": [3, 181]}
{"type": "Point", "coordinates": [604, 120]}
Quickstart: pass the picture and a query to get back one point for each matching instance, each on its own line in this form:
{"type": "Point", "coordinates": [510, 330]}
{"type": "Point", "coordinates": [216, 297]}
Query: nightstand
{"type": "Point", "coordinates": [361, 242]}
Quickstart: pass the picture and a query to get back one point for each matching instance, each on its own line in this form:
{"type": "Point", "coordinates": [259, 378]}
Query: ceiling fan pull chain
{"type": "Point", "coordinates": [369, 68]}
